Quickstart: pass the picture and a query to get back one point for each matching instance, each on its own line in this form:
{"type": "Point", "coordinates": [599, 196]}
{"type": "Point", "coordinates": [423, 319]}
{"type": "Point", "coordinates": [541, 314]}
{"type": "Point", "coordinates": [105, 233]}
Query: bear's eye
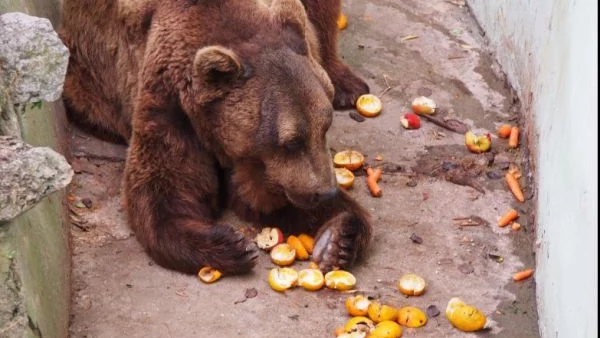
{"type": "Point", "coordinates": [295, 144]}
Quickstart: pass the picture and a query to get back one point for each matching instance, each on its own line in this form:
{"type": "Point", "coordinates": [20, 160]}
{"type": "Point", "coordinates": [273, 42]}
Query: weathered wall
{"type": "Point", "coordinates": [34, 247]}
{"type": "Point", "coordinates": [548, 50]}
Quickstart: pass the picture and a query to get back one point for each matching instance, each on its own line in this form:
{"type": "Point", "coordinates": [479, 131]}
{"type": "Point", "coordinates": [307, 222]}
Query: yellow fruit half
{"type": "Point", "coordinates": [340, 280]}
{"type": "Point", "coordinates": [209, 275]}
{"type": "Point", "coordinates": [359, 324]}
{"type": "Point", "coordinates": [283, 254]}
{"type": "Point", "coordinates": [281, 279]}
{"type": "Point", "coordinates": [369, 105]}
{"type": "Point", "coordinates": [411, 285]}
{"type": "Point", "coordinates": [311, 279]}
{"type": "Point", "coordinates": [349, 159]}
{"type": "Point", "coordinates": [464, 317]}
{"type": "Point", "coordinates": [380, 312]}
{"type": "Point", "coordinates": [410, 316]}
{"type": "Point", "coordinates": [386, 329]}
{"type": "Point", "coordinates": [357, 305]}
{"type": "Point", "coordinates": [344, 177]}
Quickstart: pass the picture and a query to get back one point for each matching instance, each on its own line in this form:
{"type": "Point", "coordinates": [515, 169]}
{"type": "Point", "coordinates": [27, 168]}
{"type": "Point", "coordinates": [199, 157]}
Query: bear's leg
{"type": "Point", "coordinates": [172, 199]}
{"type": "Point", "coordinates": [348, 86]}
{"type": "Point", "coordinates": [89, 109]}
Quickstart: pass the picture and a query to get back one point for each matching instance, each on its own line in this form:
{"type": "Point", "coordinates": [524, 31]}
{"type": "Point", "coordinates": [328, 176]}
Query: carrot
{"type": "Point", "coordinates": [522, 274]}
{"type": "Point", "coordinates": [513, 138]}
{"type": "Point", "coordinates": [510, 216]}
{"type": "Point", "coordinates": [515, 187]}
{"type": "Point", "coordinates": [504, 131]}
{"type": "Point", "coordinates": [372, 177]}
{"type": "Point", "coordinates": [515, 226]}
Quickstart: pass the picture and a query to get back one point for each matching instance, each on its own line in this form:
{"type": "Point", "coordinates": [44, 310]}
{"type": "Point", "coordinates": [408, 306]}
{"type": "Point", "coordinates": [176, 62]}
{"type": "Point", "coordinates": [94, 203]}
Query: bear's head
{"type": "Point", "coordinates": [262, 105]}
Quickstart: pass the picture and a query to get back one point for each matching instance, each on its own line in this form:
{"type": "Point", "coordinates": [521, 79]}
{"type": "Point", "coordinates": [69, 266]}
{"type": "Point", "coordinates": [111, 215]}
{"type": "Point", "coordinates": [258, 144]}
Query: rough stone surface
{"type": "Point", "coordinates": [28, 174]}
{"type": "Point", "coordinates": [33, 59]}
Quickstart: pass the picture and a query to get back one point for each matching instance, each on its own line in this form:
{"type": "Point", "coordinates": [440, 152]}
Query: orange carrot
{"type": "Point", "coordinates": [504, 131]}
{"type": "Point", "coordinates": [515, 226]}
{"type": "Point", "coordinates": [522, 274]}
{"type": "Point", "coordinates": [515, 187]}
{"type": "Point", "coordinates": [510, 216]}
{"type": "Point", "coordinates": [513, 138]}
{"type": "Point", "coordinates": [372, 177]}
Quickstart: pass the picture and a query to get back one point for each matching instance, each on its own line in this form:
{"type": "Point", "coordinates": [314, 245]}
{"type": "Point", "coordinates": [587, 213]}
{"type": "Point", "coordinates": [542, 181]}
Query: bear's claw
{"type": "Point", "coordinates": [230, 251]}
{"type": "Point", "coordinates": [348, 87]}
{"type": "Point", "coordinates": [337, 246]}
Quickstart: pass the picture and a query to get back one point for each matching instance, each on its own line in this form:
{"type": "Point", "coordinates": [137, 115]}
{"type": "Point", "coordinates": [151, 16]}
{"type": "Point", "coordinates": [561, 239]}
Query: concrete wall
{"type": "Point", "coordinates": [548, 50]}
{"type": "Point", "coordinates": [34, 247]}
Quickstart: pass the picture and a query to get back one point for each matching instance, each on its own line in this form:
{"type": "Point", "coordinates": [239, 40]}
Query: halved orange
{"type": "Point", "coordinates": [340, 280]}
{"type": "Point", "coordinates": [369, 105]}
{"type": "Point", "coordinates": [283, 254]}
{"type": "Point", "coordinates": [344, 177]}
{"type": "Point", "coordinates": [311, 279]}
{"type": "Point", "coordinates": [423, 105]}
{"type": "Point", "coordinates": [307, 241]}
{"type": "Point", "coordinates": [379, 312]}
{"type": "Point", "coordinates": [281, 279]}
{"type": "Point", "coordinates": [296, 244]}
{"type": "Point", "coordinates": [386, 329]}
{"type": "Point", "coordinates": [411, 316]}
{"type": "Point", "coordinates": [412, 285]}
{"type": "Point", "coordinates": [209, 275]}
{"type": "Point", "coordinates": [359, 324]}
{"type": "Point", "coordinates": [357, 305]}
{"type": "Point", "coordinates": [349, 159]}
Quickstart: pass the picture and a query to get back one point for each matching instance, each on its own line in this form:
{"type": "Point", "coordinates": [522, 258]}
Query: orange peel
{"type": "Point", "coordinates": [281, 279]}
{"type": "Point", "coordinates": [386, 329]}
{"type": "Point", "coordinates": [412, 285]}
{"type": "Point", "coordinates": [411, 316]}
{"type": "Point", "coordinates": [379, 312]}
{"type": "Point", "coordinates": [357, 305]}
{"type": "Point", "coordinates": [209, 275]}
{"type": "Point", "coordinates": [307, 241]}
{"type": "Point", "coordinates": [311, 279]}
{"type": "Point", "coordinates": [349, 159]}
{"type": "Point", "coordinates": [340, 280]}
{"type": "Point", "coordinates": [369, 105]}
{"type": "Point", "coordinates": [283, 254]}
{"type": "Point", "coordinates": [344, 177]}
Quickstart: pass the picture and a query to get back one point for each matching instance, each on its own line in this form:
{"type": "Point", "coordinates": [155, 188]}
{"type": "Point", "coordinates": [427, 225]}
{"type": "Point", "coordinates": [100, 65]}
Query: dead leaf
{"type": "Point", "coordinates": [416, 238]}
{"type": "Point", "coordinates": [409, 37]}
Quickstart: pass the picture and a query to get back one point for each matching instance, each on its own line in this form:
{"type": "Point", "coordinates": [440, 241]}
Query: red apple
{"type": "Point", "coordinates": [268, 238]}
{"type": "Point", "coordinates": [411, 121]}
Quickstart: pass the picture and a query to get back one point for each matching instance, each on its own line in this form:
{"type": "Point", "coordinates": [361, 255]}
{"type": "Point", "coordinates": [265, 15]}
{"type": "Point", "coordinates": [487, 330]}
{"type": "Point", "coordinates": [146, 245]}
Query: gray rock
{"type": "Point", "coordinates": [28, 175]}
{"type": "Point", "coordinates": [33, 59]}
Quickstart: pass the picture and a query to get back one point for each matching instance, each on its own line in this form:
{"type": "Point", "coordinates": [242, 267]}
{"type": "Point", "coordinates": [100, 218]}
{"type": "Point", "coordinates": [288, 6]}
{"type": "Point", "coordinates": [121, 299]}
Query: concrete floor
{"type": "Point", "coordinates": [119, 292]}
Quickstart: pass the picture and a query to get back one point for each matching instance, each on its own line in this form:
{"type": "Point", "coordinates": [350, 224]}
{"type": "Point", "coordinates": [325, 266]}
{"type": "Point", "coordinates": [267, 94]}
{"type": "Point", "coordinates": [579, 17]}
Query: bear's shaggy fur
{"type": "Point", "coordinates": [223, 103]}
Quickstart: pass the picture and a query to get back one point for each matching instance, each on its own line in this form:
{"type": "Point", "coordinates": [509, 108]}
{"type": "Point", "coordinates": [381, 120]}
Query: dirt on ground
{"type": "Point", "coordinates": [437, 216]}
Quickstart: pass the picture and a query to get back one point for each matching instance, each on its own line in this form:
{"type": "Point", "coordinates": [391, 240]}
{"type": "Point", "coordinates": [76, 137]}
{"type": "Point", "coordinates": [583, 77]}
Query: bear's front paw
{"type": "Point", "coordinates": [348, 87]}
{"type": "Point", "coordinates": [340, 242]}
{"type": "Point", "coordinates": [230, 251]}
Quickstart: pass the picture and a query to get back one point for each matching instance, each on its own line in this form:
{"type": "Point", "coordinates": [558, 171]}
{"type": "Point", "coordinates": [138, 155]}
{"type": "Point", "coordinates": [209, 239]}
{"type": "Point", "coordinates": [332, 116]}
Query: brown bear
{"type": "Point", "coordinates": [223, 103]}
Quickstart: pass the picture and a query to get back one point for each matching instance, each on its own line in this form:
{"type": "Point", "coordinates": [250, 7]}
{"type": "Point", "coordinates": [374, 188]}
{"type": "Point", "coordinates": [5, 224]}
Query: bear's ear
{"type": "Point", "coordinates": [214, 68]}
{"type": "Point", "coordinates": [291, 13]}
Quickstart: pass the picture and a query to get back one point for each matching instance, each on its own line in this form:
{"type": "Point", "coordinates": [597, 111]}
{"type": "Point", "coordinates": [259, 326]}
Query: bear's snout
{"type": "Point", "coordinates": [324, 196]}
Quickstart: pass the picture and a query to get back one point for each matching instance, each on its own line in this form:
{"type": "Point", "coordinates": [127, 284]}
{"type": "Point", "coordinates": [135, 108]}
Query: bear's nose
{"type": "Point", "coordinates": [327, 195]}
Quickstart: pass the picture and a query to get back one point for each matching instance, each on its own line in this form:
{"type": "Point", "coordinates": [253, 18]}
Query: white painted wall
{"type": "Point", "coordinates": [549, 51]}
